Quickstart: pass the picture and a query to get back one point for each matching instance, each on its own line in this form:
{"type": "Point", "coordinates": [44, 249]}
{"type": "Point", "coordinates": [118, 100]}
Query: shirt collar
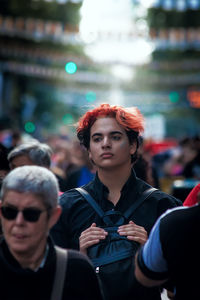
{"type": "Point", "coordinates": [10, 258]}
{"type": "Point", "coordinates": [101, 191]}
{"type": "Point", "coordinates": [101, 187]}
{"type": "Point", "coordinates": [44, 259]}
{"type": "Point", "coordinates": [129, 183]}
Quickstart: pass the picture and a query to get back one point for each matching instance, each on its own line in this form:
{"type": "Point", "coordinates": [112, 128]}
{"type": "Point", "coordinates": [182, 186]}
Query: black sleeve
{"type": "Point", "coordinates": [59, 231]}
{"type": "Point", "coordinates": [82, 282]}
{"type": "Point", "coordinates": [72, 179]}
{"type": "Point", "coordinates": [167, 202]}
{"type": "Point", "coordinates": [59, 235]}
{"type": "Point", "coordinates": [146, 271]}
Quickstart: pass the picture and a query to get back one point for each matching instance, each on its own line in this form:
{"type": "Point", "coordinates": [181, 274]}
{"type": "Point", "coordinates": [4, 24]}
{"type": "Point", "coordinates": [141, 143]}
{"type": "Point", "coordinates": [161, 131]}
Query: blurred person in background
{"type": "Point", "coordinates": [83, 170]}
{"type": "Point", "coordinates": [4, 167]}
{"type": "Point", "coordinates": [28, 209]}
{"type": "Point", "coordinates": [11, 138]}
{"type": "Point", "coordinates": [67, 158]}
{"type": "Point", "coordinates": [191, 158]}
{"type": "Point", "coordinates": [16, 139]}
{"type": "Point", "coordinates": [33, 153]}
{"type": "Point", "coordinates": [185, 161]}
{"type": "Point", "coordinates": [4, 163]}
{"type": "Point", "coordinates": [178, 167]}
{"type": "Point", "coordinates": [61, 158]}
{"type": "Point", "coordinates": [143, 166]}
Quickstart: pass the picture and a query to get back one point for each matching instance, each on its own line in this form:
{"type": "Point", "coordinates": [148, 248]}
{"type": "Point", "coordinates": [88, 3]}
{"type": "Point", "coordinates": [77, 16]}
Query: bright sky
{"type": "Point", "coordinates": [103, 15]}
{"type": "Point", "coordinates": [102, 23]}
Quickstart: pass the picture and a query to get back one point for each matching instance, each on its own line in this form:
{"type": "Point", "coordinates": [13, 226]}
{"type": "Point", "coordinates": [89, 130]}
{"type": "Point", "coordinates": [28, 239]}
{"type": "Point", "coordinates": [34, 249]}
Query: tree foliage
{"type": "Point", "coordinates": [66, 12]}
{"type": "Point", "coordinates": [159, 18]}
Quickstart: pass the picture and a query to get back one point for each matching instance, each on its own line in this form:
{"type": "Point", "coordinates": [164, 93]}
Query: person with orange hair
{"type": "Point", "coordinates": [110, 134]}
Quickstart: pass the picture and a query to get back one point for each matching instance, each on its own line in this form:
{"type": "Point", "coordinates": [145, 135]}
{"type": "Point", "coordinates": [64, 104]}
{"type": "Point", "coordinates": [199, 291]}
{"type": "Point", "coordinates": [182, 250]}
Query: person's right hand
{"type": "Point", "coordinates": [91, 236]}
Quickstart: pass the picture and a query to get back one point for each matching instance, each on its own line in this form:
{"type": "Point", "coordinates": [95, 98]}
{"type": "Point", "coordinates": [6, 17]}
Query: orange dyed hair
{"type": "Point", "coordinates": [129, 118]}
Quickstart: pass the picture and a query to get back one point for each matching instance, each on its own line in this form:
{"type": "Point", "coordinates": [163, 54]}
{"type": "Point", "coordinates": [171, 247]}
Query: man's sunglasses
{"type": "Point", "coordinates": [29, 214]}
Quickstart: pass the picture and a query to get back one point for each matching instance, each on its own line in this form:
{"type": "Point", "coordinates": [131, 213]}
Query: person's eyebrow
{"type": "Point", "coordinates": [111, 133]}
{"type": "Point", "coordinates": [116, 132]}
{"type": "Point", "coordinates": [96, 134]}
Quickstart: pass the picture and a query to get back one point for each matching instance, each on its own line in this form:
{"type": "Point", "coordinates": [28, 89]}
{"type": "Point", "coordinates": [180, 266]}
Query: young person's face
{"type": "Point", "coordinates": [109, 144]}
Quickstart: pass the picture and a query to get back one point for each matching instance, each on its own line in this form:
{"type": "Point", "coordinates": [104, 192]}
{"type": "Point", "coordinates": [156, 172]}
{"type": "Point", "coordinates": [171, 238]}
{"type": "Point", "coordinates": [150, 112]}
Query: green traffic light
{"type": "Point", "coordinates": [68, 119]}
{"type": "Point", "coordinates": [29, 127]}
{"type": "Point", "coordinates": [90, 96]}
{"type": "Point", "coordinates": [71, 67]}
{"type": "Point", "coordinates": [174, 97]}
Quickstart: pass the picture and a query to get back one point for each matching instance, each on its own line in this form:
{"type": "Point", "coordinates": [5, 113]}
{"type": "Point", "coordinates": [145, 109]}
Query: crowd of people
{"type": "Point", "coordinates": [42, 212]}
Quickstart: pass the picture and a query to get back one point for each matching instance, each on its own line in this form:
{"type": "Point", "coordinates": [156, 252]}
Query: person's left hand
{"type": "Point", "coordinates": [134, 232]}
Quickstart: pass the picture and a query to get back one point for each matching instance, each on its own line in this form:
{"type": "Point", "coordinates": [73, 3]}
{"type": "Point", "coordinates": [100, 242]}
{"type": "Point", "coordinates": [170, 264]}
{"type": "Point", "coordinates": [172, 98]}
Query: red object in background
{"type": "Point", "coordinates": [158, 147]}
{"type": "Point", "coordinates": [192, 198]}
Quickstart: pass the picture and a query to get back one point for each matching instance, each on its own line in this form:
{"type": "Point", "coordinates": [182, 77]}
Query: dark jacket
{"type": "Point", "coordinates": [78, 215]}
{"type": "Point", "coordinates": [25, 284]}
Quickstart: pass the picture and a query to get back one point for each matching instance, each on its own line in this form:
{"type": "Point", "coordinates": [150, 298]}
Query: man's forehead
{"type": "Point", "coordinates": [19, 198]}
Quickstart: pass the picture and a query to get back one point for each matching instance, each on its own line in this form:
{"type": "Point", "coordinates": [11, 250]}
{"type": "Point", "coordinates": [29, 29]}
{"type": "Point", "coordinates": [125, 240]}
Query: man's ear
{"type": "Point", "coordinates": [55, 215]}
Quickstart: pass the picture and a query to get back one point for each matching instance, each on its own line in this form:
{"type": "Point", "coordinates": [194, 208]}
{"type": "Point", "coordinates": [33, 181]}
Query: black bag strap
{"type": "Point", "coordinates": [91, 201]}
{"type": "Point", "coordinates": [127, 214]}
{"type": "Point", "coordinates": [94, 205]}
{"type": "Point", "coordinates": [61, 265]}
{"type": "Point", "coordinates": [137, 203]}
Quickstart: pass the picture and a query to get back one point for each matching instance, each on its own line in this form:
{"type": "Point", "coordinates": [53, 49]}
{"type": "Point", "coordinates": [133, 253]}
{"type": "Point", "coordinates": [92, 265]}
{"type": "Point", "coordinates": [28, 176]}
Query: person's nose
{"type": "Point", "coordinates": [19, 218]}
{"type": "Point", "coordinates": [106, 142]}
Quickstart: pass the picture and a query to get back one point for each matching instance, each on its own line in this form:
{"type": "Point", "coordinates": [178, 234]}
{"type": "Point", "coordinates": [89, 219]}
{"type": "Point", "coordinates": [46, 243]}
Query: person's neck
{"type": "Point", "coordinates": [32, 260]}
{"type": "Point", "coordinates": [114, 180]}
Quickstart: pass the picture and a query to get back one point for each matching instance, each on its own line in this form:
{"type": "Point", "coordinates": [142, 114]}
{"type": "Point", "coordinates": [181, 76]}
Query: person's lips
{"type": "Point", "coordinates": [106, 155]}
{"type": "Point", "coordinates": [19, 236]}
